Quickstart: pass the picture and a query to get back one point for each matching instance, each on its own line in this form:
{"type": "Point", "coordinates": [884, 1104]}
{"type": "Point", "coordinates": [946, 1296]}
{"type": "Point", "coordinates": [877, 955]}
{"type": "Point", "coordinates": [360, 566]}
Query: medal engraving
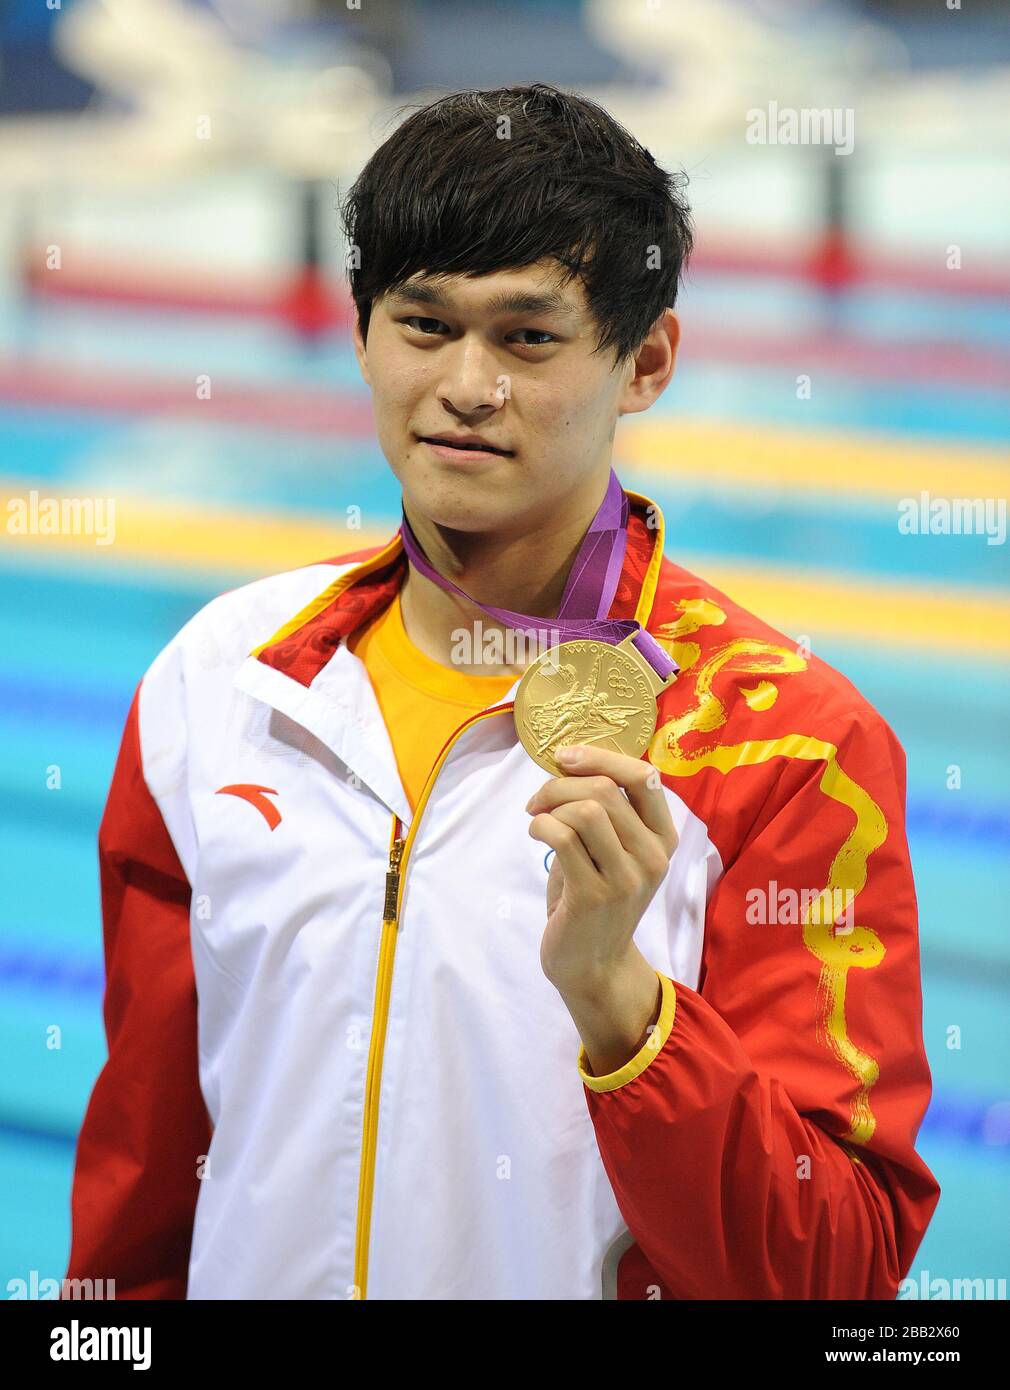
{"type": "Point", "coordinates": [586, 691]}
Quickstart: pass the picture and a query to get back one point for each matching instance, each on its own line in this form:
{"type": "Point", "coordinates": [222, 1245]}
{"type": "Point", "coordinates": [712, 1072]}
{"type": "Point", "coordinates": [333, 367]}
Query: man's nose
{"type": "Point", "coordinates": [473, 379]}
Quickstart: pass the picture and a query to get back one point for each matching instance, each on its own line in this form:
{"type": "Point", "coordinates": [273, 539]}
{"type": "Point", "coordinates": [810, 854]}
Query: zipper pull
{"type": "Point", "coordinates": [392, 881]}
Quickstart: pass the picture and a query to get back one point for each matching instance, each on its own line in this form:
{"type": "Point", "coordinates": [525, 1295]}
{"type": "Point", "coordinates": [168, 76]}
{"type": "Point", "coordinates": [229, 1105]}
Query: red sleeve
{"type": "Point", "coordinates": [135, 1181]}
{"type": "Point", "coordinates": [764, 1145]}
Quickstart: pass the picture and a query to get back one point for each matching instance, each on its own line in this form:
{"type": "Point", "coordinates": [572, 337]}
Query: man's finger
{"type": "Point", "coordinates": [594, 827]}
{"type": "Point", "coordinates": [579, 870]}
{"type": "Point", "coordinates": [639, 779]}
{"type": "Point", "coordinates": [634, 835]}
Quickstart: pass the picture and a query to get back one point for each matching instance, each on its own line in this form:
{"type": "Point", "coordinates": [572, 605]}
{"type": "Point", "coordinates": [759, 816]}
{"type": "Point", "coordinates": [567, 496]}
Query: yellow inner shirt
{"type": "Point", "coordinates": [422, 701]}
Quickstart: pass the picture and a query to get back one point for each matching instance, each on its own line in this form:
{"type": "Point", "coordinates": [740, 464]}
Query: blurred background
{"type": "Point", "coordinates": [175, 335]}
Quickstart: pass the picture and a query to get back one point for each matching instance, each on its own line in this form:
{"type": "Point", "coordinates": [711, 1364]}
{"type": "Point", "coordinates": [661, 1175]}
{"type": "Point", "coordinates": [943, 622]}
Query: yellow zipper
{"type": "Point", "coordinates": [399, 851]}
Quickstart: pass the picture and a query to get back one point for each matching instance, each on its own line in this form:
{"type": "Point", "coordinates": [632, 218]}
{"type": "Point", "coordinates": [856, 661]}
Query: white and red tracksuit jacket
{"type": "Point", "coordinates": [336, 1069]}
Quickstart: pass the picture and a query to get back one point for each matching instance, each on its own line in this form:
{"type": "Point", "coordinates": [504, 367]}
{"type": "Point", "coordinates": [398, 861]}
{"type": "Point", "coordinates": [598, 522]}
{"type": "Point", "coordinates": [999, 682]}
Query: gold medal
{"type": "Point", "coordinates": [587, 691]}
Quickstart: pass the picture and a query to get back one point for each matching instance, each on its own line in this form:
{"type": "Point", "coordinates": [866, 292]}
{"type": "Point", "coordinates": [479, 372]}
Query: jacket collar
{"type": "Point", "coordinates": [307, 671]}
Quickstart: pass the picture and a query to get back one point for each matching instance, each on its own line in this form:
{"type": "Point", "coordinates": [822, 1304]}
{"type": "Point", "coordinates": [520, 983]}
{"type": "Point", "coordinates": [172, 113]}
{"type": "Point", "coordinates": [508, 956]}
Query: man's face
{"type": "Point", "coordinates": [444, 358]}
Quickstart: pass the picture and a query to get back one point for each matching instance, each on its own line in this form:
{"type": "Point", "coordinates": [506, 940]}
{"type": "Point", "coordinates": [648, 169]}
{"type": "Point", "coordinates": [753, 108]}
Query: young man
{"type": "Point", "coordinates": [391, 1012]}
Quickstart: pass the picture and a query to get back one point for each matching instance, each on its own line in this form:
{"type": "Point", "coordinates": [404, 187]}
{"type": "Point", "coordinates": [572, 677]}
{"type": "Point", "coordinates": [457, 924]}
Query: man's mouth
{"type": "Point", "coordinates": [472, 447]}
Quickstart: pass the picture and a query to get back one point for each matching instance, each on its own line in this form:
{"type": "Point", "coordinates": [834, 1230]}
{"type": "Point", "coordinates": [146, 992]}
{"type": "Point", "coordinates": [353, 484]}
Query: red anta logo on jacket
{"type": "Point", "coordinates": [256, 796]}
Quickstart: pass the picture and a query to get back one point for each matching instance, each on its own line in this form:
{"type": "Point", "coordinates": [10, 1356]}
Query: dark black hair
{"type": "Point", "coordinates": [446, 194]}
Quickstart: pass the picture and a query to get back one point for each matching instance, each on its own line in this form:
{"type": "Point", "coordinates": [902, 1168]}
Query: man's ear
{"type": "Point", "coordinates": [359, 349]}
{"type": "Point", "coordinates": [652, 368]}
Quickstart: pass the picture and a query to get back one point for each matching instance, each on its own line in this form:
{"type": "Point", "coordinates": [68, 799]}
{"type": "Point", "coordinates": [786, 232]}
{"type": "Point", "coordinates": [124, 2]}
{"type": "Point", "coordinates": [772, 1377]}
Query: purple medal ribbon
{"type": "Point", "coordinates": [589, 592]}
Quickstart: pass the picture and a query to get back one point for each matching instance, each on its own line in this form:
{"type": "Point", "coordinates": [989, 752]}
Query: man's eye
{"type": "Point", "coordinates": [543, 334]}
{"type": "Point", "coordinates": [420, 319]}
